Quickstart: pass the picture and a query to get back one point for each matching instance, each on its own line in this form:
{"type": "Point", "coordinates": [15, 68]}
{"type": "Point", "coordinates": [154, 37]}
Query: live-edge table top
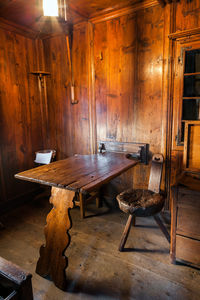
{"type": "Point", "coordinates": [81, 173]}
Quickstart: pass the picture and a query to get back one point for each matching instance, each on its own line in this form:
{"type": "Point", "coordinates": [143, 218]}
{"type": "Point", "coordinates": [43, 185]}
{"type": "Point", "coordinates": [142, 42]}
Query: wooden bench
{"type": "Point", "coordinates": [15, 283]}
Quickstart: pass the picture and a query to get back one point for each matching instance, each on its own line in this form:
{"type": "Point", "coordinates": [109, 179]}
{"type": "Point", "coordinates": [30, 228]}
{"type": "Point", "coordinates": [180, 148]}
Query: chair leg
{"type": "Point", "coordinates": [82, 205]}
{"type": "Point", "coordinates": [162, 227]}
{"type": "Point", "coordinates": [126, 232]}
{"type": "Point", "coordinates": [98, 201]}
{"type": "Point", "coordinates": [83, 201]}
{"type": "Point", "coordinates": [99, 198]}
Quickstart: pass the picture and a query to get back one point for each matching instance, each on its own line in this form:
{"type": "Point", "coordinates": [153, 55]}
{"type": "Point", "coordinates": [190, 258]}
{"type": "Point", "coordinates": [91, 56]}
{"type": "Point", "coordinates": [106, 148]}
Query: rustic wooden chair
{"type": "Point", "coordinates": [83, 200]}
{"type": "Point", "coordinates": [44, 157]}
{"type": "Point", "coordinates": [144, 203]}
{"type": "Point", "coordinates": [14, 282]}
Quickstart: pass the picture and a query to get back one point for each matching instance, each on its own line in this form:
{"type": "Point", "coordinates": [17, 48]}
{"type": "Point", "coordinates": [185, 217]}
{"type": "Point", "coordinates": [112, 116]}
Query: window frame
{"type": "Point", "coordinates": [180, 47]}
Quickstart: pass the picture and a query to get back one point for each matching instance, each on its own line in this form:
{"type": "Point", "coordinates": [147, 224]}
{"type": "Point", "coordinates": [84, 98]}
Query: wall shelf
{"type": "Point", "coordinates": [40, 73]}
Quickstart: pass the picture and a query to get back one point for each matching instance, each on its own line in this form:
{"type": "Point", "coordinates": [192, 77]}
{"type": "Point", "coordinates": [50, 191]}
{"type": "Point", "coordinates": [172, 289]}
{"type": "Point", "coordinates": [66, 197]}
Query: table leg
{"type": "Point", "coordinates": [52, 261]}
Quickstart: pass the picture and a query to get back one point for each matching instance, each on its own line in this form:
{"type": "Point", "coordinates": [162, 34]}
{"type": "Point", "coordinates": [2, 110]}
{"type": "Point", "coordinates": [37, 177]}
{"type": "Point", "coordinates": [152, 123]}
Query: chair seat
{"type": "Point", "coordinates": [140, 202]}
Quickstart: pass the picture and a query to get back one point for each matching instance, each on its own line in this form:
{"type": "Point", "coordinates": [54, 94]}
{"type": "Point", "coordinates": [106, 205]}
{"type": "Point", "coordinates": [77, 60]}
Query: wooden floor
{"type": "Point", "coordinates": [97, 270]}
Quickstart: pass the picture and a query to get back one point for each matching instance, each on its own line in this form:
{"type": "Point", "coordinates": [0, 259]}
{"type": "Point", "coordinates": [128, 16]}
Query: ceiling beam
{"type": "Point", "coordinates": [123, 11]}
{"type": "Point", "coordinates": [78, 11]}
{"type": "Point", "coordinates": [19, 29]}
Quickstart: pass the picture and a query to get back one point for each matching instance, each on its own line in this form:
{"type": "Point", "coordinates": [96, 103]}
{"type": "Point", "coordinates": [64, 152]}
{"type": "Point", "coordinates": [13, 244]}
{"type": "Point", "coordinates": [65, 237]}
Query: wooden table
{"type": "Point", "coordinates": [80, 174]}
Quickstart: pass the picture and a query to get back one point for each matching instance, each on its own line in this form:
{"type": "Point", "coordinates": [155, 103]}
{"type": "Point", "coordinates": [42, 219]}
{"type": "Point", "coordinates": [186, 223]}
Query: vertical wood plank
{"type": "Point", "coordinates": [91, 88]}
{"type": "Point", "coordinates": [20, 118]}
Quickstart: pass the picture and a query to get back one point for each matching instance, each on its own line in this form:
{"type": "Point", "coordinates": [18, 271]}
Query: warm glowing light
{"type": "Point", "coordinates": [50, 8]}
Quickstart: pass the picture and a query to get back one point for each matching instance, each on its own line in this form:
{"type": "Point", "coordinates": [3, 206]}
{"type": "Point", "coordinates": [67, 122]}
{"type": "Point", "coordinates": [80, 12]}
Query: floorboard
{"type": "Point", "coordinates": [97, 270]}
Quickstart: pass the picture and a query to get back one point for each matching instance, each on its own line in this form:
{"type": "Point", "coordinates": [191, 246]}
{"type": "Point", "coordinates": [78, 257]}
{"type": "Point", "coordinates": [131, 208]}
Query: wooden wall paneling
{"type": "Point", "coordinates": [113, 80]}
{"type": "Point", "coordinates": [114, 65]}
{"type": "Point", "coordinates": [58, 95]}
{"type": "Point", "coordinates": [166, 102]}
{"type": "Point", "coordinates": [121, 79]}
{"type": "Point", "coordinates": [149, 77]}
{"type": "Point", "coordinates": [149, 106]}
{"type": "Point", "coordinates": [187, 14]}
{"type": "Point", "coordinates": [42, 86]}
{"type": "Point", "coordinates": [2, 96]}
{"type": "Point", "coordinates": [100, 60]}
{"type": "Point", "coordinates": [51, 90]}
{"type": "Point", "coordinates": [21, 73]}
{"type": "Point", "coordinates": [176, 165]}
{"type": "Point", "coordinates": [80, 111]}
{"type": "Point", "coordinates": [114, 54]}
{"type": "Point", "coordinates": [91, 88]}
{"type": "Point", "coordinates": [128, 72]}
{"type": "Point", "coordinates": [165, 79]}
{"type": "Point", "coordinates": [15, 139]}
{"type": "Point", "coordinates": [38, 122]}
{"type": "Point", "coordinates": [40, 59]}
{"type": "Point", "coordinates": [172, 158]}
{"type": "Point", "coordinates": [77, 115]}
{"type": "Point", "coordinates": [128, 55]}
{"type": "Point", "coordinates": [33, 119]}
{"type": "Point", "coordinates": [69, 124]}
{"type": "Point", "coordinates": [17, 108]}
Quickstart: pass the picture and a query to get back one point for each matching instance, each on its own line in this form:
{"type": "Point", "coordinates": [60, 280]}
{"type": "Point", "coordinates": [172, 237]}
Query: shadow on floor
{"type": "Point", "coordinates": [145, 250]}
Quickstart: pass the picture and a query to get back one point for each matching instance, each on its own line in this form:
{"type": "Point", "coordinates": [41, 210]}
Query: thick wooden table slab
{"type": "Point", "coordinates": [77, 174]}
{"type": "Point", "coordinates": [80, 173]}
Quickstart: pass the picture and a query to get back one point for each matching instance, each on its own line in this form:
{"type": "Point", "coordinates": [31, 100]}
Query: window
{"type": "Point", "coordinates": [186, 86]}
{"type": "Point", "coordinates": [191, 89]}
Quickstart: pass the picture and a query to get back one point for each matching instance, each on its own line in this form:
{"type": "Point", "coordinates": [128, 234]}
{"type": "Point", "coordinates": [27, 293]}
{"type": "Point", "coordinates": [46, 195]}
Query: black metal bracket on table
{"type": "Point", "coordinates": [139, 151]}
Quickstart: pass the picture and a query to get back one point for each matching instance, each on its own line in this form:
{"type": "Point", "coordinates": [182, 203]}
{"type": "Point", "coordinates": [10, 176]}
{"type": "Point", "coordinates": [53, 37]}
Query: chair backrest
{"type": "Point", "coordinates": [14, 282]}
{"type": "Point", "coordinates": [44, 157]}
{"type": "Point", "coordinates": [156, 173]}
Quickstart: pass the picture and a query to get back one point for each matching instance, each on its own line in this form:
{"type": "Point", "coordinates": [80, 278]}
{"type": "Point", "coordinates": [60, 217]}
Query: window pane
{"type": "Point", "coordinates": [191, 86]}
{"type": "Point", "coordinates": [182, 131]}
{"type": "Point", "coordinates": [190, 109]}
{"type": "Point", "coordinates": [192, 61]}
